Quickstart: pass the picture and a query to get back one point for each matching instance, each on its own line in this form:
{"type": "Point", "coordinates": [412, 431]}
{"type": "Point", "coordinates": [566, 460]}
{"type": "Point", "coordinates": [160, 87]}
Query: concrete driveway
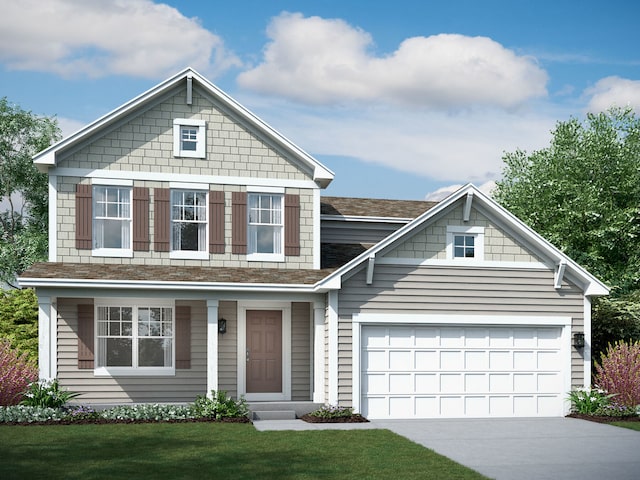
{"type": "Point", "coordinates": [530, 448]}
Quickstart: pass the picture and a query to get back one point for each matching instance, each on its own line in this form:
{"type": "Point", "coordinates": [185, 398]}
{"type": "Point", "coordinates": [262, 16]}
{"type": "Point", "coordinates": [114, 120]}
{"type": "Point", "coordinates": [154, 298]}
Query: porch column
{"type": "Point", "coordinates": [333, 347]}
{"type": "Point", "coordinates": [212, 346]}
{"type": "Point", "coordinates": [318, 352]}
{"type": "Point", "coordinates": [45, 351]}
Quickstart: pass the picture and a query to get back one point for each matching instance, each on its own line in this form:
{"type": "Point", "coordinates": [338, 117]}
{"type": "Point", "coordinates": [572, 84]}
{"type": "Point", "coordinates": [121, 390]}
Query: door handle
{"type": "Point", "coordinates": [247, 355]}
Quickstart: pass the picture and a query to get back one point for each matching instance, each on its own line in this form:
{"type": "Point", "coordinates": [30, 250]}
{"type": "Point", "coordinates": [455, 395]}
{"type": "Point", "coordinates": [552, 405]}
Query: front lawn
{"type": "Point", "coordinates": [214, 450]}
{"type": "Point", "coordinates": [631, 425]}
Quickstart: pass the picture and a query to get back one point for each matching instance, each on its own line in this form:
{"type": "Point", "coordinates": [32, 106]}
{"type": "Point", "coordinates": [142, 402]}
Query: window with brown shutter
{"type": "Point", "coordinates": [216, 222]}
{"type": "Point", "coordinates": [85, 337]}
{"type": "Point", "coordinates": [292, 225]}
{"type": "Point", "coordinates": [239, 222]}
{"type": "Point", "coordinates": [183, 337]}
{"type": "Point", "coordinates": [162, 219]}
{"type": "Point", "coordinates": [140, 219]}
{"type": "Point", "coordinates": [83, 217]}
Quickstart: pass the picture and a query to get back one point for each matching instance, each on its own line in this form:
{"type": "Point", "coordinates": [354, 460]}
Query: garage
{"type": "Point", "coordinates": [446, 371]}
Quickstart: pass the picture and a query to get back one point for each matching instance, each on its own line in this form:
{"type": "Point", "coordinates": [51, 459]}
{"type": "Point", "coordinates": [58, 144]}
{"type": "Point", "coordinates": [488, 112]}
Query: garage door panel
{"type": "Point", "coordinates": [428, 372]}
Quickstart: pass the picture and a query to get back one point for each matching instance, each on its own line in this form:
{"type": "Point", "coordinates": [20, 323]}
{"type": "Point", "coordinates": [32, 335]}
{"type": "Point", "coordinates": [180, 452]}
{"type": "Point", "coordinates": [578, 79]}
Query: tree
{"type": "Point", "coordinates": [23, 190]}
{"type": "Point", "coordinates": [582, 193]}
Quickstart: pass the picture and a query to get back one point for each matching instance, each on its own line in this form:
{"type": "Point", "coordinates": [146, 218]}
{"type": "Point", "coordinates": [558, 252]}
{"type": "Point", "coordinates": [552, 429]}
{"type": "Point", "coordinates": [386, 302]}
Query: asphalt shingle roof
{"type": "Point", "coordinates": [373, 207]}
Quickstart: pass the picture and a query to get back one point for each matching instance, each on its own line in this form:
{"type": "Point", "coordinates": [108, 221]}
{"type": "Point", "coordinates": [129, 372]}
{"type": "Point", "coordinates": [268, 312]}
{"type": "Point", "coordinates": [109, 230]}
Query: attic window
{"type": "Point", "coordinates": [465, 243]}
{"type": "Point", "coordinates": [189, 138]}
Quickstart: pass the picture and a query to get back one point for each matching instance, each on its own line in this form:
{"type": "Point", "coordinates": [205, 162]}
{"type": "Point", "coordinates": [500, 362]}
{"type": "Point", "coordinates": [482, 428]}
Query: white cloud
{"type": "Point", "coordinates": [613, 91]}
{"type": "Point", "coordinates": [444, 192]}
{"type": "Point", "coordinates": [69, 126]}
{"type": "Point", "coordinates": [325, 61]}
{"type": "Point", "coordinates": [97, 38]}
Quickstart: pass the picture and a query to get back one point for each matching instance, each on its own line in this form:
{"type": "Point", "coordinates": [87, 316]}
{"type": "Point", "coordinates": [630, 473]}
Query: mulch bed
{"type": "Point", "coordinates": [104, 421]}
{"type": "Point", "coordinates": [355, 418]}
{"type": "Point", "coordinates": [595, 418]}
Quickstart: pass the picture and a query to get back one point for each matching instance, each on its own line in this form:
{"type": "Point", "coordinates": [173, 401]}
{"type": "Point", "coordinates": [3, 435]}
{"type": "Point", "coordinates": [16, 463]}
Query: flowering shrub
{"type": "Point", "coordinates": [615, 410]}
{"type": "Point", "coordinates": [27, 414]}
{"type": "Point", "coordinates": [46, 393]}
{"type": "Point", "coordinates": [220, 406]}
{"type": "Point", "coordinates": [619, 372]}
{"type": "Point", "coordinates": [15, 374]}
{"type": "Point", "coordinates": [148, 412]}
{"type": "Point", "coordinates": [587, 401]}
{"type": "Point", "coordinates": [328, 411]}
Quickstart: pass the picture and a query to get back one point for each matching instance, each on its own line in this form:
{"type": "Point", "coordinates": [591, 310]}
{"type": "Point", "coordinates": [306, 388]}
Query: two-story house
{"type": "Point", "coordinates": [190, 250]}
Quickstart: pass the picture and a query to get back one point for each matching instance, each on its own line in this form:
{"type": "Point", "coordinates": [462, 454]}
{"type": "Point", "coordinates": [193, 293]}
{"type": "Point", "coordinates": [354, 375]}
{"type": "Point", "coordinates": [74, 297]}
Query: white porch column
{"type": "Point", "coordinates": [586, 352]}
{"type": "Point", "coordinates": [333, 347]}
{"type": "Point", "coordinates": [46, 354]}
{"type": "Point", "coordinates": [318, 352]}
{"type": "Point", "coordinates": [212, 346]}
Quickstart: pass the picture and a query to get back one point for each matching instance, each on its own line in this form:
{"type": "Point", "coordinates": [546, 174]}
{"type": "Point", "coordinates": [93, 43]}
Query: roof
{"type": "Point", "coordinates": [372, 207]}
{"type": "Point", "coordinates": [47, 158]}
{"type": "Point", "coordinates": [591, 285]}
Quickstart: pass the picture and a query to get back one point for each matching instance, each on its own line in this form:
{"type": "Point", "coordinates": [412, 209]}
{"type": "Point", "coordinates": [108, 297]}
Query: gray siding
{"type": "Point", "coordinates": [183, 387]}
{"type": "Point", "coordinates": [449, 290]}
{"type": "Point", "coordinates": [300, 351]}
{"type": "Point", "coordinates": [228, 349]}
{"type": "Point", "coordinates": [333, 231]}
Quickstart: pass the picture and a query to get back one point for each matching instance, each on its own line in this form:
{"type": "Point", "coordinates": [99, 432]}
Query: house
{"type": "Point", "coordinates": [190, 250]}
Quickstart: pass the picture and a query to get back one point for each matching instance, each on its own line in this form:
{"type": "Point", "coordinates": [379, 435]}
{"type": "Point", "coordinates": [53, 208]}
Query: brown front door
{"type": "Point", "coordinates": [264, 351]}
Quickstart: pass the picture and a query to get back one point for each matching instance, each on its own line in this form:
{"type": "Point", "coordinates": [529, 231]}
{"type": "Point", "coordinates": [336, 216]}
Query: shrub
{"type": "Point", "coordinates": [587, 401]}
{"type": "Point", "coordinates": [28, 414]}
{"type": "Point", "coordinates": [328, 411]}
{"type": "Point", "coordinates": [615, 410]}
{"type": "Point", "coordinates": [19, 320]}
{"type": "Point", "coordinates": [220, 406]}
{"type": "Point", "coordinates": [148, 412]}
{"type": "Point", "coordinates": [619, 372]}
{"type": "Point", "coordinates": [47, 393]}
{"type": "Point", "coordinates": [16, 371]}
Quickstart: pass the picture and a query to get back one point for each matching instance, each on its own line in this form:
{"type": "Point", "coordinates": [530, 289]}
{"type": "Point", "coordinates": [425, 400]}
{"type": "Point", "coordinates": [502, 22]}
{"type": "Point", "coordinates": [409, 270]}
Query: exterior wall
{"type": "Point", "coordinates": [430, 243]}
{"type": "Point", "coordinates": [227, 349]}
{"type": "Point", "coordinates": [454, 290]}
{"type": "Point", "coordinates": [182, 388]}
{"type": "Point", "coordinates": [333, 231]}
{"type": "Point", "coordinates": [301, 351]}
{"type": "Point", "coordinates": [67, 251]}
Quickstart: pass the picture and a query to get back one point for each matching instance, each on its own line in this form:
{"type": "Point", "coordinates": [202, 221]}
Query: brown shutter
{"type": "Point", "coordinates": [239, 222]}
{"type": "Point", "coordinates": [83, 217]}
{"type": "Point", "coordinates": [292, 225]}
{"type": "Point", "coordinates": [85, 336]}
{"type": "Point", "coordinates": [140, 219]}
{"type": "Point", "coordinates": [216, 222]}
{"type": "Point", "coordinates": [183, 337]}
{"type": "Point", "coordinates": [161, 222]}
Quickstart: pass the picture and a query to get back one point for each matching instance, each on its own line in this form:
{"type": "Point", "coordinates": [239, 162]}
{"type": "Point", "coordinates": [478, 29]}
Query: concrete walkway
{"type": "Point", "coordinates": [514, 449]}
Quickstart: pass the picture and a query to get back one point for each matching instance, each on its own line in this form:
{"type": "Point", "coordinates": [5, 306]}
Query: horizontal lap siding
{"type": "Point", "coordinates": [457, 291]}
{"type": "Point", "coordinates": [300, 351]}
{"type": "Point", "coordinates": [183, 387]}
{"type": "Point", "coordinates": [227, 349]}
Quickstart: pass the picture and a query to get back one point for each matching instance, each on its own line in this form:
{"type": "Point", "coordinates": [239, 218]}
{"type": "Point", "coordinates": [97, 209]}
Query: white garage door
{"type": "Point", "coordinates": [461, 371]}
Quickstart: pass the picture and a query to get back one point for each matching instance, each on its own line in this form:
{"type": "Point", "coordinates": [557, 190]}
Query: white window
{"type": "Point", "coordinates": [189, 224]}
{"type": "Point", "coordinates": [112, 221]}
{"type": "Point", "coordinates": [135, 339]}
{"type": "Point", "coordinates": [465, 243]}
{"type": "Point", "coordinates": [189, 138]}
{"type": "Point", "coordinates": [265, 227]}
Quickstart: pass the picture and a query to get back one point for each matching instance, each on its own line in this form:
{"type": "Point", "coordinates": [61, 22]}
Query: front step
{"type": "Point", "coordinates": [274, 415]}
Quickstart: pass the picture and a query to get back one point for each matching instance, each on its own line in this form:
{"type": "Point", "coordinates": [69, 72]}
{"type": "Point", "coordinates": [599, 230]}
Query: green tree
{"type": "Point", "coordinates": [582, 193]}
{"type": "Point", "coordinates": [23, 190]}
{"type": "Point", "coordinates": [19, 320]}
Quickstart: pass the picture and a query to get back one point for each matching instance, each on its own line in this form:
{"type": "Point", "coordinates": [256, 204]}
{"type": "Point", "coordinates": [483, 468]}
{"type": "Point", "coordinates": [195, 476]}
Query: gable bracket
{"type": "Point", "coordinates": [189, 89]}
{"type": "Point", "coordinates": [467, 207]}
{"type": "Point", "coordinates": [370, 267]}
{"type": "Point", "coordinates": [559, 276]}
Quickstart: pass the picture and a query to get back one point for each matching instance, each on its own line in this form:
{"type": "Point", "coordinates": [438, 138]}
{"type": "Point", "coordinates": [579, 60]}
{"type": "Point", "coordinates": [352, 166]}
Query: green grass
{"type": "Point", "coordinates": [209, 450]}
{"type": "Point", "coordinates": [631, 425]}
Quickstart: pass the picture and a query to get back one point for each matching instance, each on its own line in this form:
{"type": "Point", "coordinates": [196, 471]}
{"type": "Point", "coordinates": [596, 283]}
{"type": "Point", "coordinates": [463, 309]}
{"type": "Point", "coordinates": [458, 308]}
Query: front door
{"type": "Point", "coordinates": [264, 351]}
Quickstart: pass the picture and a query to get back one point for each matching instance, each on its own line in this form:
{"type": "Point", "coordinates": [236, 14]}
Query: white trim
{"type": "Point", "coordinates": [189, 254]}
{"type": "Point", "coordinates": [188, 186]}
{"type": "Point", "coordinates": [317, 222]}
{"type": "Point", "coordinates": [53, 218]}
{"type": "Point", "coordinates": [263, 189]}
{"type": "Point", "coordinates": [265, 257]}
{"type": "Point", "coordinates": [419, 262]}
{"type": "Point", "coordinates": [189, 99]}
{"type": "Point", "coordinates": [586, 351]}
{"type": "Point", "coordinates": [114, 182]}
{"type": "Point", "coordinates": [112, 252]}
{"type": "Point", "coordinates": [361, 320]}
{"type": "Point", "coordinates": [559, 274]}
{"type": "Point", "coordinates": [46, 355]}
{"type": "Point", "coordinates": [353, 218]}
{"type": "Point", "coordinates": [53, 335]}
{"type": "Point", "coordinates": [333, 347]}
{"type": "Point", "coordinates": [183, 177]}
{"type": "Point", "coordinates": [201, 138]}
{"type": "Point", "coordinates": [370, 268]}
{"type": "Point", "coordinates": [318, 352]}
{"type": "Point", "coordinates": [285, 308]}
{"type": "Point", "coordinates": [467, 207]}
{"type": "Point", "coordinates": [212, 346]}
{"type": "Point", "coordinates": [477, 232]}
{"type": "Point", "coordinates": [135, 371]}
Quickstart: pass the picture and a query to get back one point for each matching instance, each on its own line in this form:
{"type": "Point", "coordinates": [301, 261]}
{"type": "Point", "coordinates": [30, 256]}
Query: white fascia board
{"type": "Point", "coordinates": [344, 218]}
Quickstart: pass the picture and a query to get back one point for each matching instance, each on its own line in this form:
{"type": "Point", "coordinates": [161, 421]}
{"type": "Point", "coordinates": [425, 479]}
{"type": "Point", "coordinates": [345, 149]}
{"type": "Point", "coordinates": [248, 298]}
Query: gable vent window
{"type": "Point", "coordinates": [465, 243]}
{"type": "Point", "coordinates": [189, 138]}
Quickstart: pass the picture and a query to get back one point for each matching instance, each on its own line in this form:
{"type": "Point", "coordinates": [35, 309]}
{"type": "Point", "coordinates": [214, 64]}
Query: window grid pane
{"type": "Point", "coordinates": [189, 220]}
{"type": "Point", "coordinates": [112, 217]}
{"type": "Point", "coordinates": [464, 246]}
{"type": "Point", "coordinates": [265, 223]}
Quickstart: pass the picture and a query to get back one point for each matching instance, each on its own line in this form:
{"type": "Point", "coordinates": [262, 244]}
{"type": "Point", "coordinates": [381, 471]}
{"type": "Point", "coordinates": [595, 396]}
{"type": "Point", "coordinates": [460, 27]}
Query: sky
{"type": "Point", "coordinates": [407, 99]}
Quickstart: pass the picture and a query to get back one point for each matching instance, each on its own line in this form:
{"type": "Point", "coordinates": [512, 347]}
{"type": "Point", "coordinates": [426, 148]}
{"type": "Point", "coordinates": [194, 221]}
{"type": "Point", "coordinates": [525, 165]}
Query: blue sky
{"type": "Point", "coordinates": [403, 99]}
